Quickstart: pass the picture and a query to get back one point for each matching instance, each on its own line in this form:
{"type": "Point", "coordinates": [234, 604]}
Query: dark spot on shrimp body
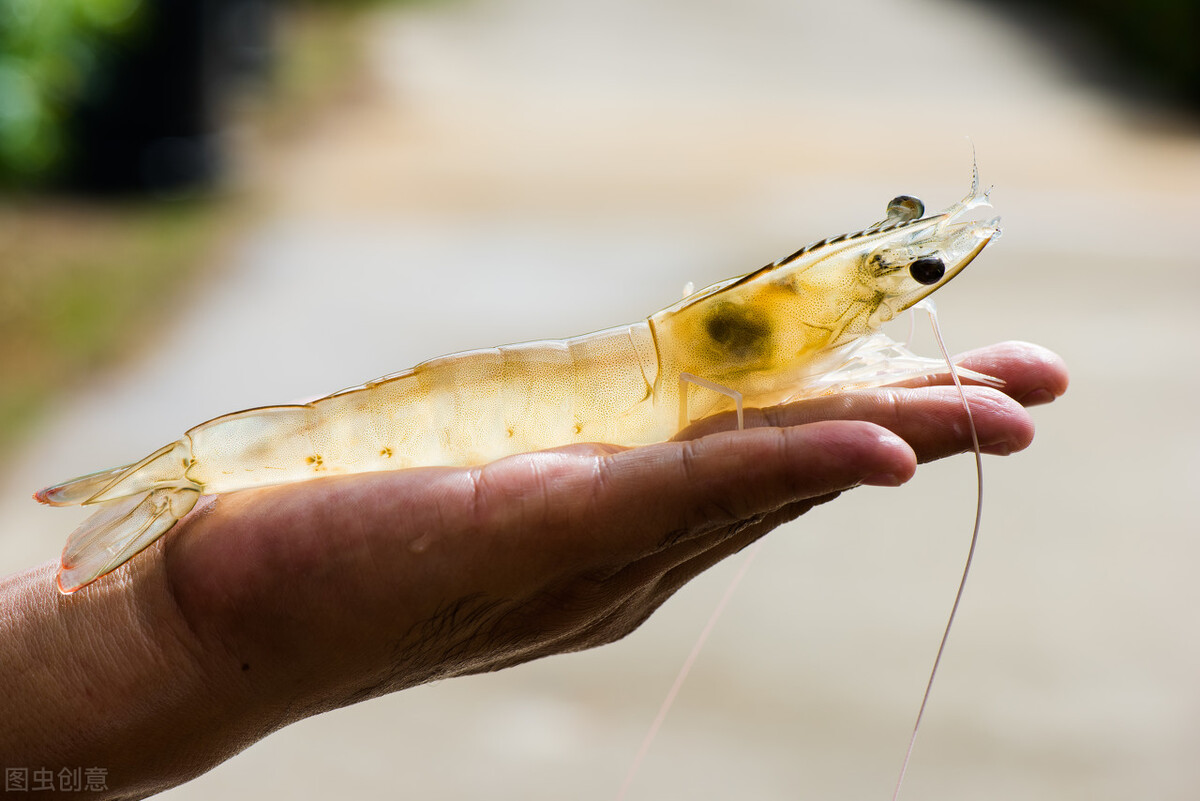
{"type": "Point", "coordinates": [738, 331]}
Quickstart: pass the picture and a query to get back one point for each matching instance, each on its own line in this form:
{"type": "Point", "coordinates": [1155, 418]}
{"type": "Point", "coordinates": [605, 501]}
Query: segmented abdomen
{"type": "Point", "coordinates": [467, 408]}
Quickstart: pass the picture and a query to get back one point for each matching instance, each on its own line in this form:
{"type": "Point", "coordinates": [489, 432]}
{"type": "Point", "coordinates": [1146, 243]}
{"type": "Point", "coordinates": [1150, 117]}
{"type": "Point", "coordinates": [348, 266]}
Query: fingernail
{"type": "Point", "coordinates": [1036, 397]}
{"type": "Point", "coordinates": [883, 480]}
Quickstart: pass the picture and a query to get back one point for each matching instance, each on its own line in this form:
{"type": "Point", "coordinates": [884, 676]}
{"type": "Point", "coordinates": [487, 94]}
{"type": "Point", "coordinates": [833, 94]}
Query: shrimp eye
{"type": "Point", "coordinates": [905, 208]}
{"type": "Point", "coordinates": [927, 270]}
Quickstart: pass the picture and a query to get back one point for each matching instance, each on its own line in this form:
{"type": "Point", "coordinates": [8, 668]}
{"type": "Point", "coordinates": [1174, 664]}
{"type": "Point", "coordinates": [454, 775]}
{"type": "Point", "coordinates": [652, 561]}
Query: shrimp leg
{"type": "Point", "coordinates": [689, 378]}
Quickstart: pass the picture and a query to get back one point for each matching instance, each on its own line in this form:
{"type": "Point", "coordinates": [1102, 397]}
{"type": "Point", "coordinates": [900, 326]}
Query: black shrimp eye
{"type": "Point", "coordinates": [927, 270]}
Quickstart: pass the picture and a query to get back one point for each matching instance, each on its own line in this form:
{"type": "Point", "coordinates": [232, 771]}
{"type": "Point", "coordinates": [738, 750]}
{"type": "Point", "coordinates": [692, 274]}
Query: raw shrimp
{"type": "Point", "coordinates": [806, 325]}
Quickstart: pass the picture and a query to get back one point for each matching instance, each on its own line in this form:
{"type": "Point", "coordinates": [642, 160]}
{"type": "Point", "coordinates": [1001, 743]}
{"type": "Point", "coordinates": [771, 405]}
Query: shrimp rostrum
{"type": "Point", "coordinates": [806, 325]}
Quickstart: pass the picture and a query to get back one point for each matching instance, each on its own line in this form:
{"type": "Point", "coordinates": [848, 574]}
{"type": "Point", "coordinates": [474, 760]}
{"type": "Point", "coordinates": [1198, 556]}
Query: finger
{"type": "Point", "coordinates": [686, 570]}
{"type": "Point", "coordinates": [932, 420]}
{"type": "Point", "coordinates": [668, 570]}
{"type": "Point", "coordinates": [647, 583]}
{"type": "Point", "coordinates": [685, 489]}
{"type": "Point", "coordinates": [1032, 374]}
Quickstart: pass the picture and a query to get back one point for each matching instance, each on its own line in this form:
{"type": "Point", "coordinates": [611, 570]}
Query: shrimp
{"type": "Point", "coordinates": [803, 326]}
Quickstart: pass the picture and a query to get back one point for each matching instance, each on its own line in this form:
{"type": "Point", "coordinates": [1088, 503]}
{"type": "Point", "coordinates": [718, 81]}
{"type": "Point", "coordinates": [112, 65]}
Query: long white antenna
{"type": "Point", "coordinates": [687, 668]}
{"type": "Point", "coordinates": [928, 306]}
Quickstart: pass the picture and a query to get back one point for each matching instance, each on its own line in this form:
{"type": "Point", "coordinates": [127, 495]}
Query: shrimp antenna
{"type": "Point", "coordinates": [975, 193]}
{"type": "Point", "coordinates": [928, 306]}
{"type": "Point", "coordinates": [686, 668]}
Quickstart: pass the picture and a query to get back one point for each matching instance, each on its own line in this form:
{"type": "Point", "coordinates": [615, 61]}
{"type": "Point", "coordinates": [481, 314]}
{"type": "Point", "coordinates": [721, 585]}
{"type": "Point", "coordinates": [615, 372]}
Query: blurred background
{"type": "Point", "coordinates": [217, 204]}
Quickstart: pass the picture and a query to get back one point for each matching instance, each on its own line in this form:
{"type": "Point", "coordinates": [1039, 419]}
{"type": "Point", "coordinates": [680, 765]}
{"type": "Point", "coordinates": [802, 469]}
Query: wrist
{"type": "Point", "coordinates": [111, 678]}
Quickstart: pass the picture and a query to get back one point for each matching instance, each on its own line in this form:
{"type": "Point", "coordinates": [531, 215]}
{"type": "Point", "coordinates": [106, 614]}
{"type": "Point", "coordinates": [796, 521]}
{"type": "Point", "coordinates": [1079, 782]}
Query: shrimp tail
{"type": "Point", "coordinates": [80, 490]}
{"type": "Point", "coordinates": [139, 503]}
{"type": "Point", "coordinates": [166, 467]}
{"type": "Point", "coordinates": [118, 532]}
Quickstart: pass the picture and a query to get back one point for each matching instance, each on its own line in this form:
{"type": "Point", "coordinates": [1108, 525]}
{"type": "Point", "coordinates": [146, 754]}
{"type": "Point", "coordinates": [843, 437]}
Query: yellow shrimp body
{"type": "Point", "coordinates": [802, 326]}
{"type": "Point", "coordinates": [463, 409]}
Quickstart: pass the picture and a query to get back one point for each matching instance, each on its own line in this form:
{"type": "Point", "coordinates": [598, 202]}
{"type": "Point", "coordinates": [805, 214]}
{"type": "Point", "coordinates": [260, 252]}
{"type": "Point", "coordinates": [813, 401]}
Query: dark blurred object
{"type": "Point", "coordinates": [151, 119]}
{"type": "Point", "coordinates": [123, 96]}
{"type": "Point", "coordinates": [1147, 46]}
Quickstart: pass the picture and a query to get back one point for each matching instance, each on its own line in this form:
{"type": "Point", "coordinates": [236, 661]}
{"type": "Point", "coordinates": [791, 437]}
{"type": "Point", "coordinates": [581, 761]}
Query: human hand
{"type": "Point", "coordinates": [266, 606]}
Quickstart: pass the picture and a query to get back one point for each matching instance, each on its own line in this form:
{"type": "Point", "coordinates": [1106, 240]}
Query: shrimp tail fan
{"type": "Point", "coordinates": [138, 504]}
{"type": "Point", "coordinates": [80, 490]}
{"type": "Point", "coordinates": [118, 532]}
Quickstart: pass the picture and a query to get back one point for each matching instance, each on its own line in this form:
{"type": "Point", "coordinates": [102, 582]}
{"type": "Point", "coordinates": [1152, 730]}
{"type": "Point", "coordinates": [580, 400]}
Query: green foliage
{"type": "Point", "coordinates": [47, 50]}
